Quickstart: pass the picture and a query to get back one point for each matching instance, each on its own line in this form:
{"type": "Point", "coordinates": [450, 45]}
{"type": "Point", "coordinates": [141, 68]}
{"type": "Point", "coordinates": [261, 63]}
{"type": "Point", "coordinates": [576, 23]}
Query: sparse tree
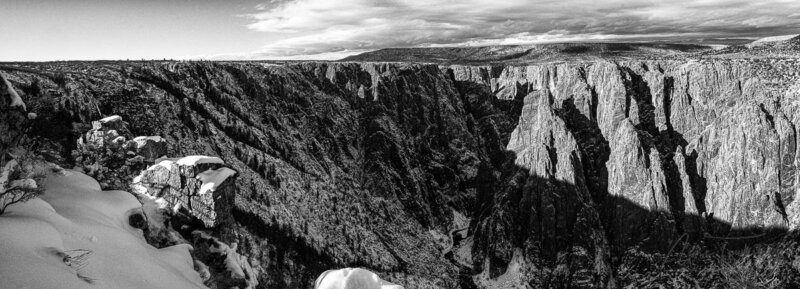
{"type": "Point", "coordinates": [18, 186]}
{"type": "Point", "coordinates": [17, 195]}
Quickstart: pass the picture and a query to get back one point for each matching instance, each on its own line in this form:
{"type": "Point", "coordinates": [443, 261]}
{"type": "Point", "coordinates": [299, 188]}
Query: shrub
{"type": "Point", "coordinates": [772, 265]}
{"type": "Point", "coordinates": [60, 78]}
{"type": "Point", "coordinates": [33, 89]}
{"type": "Point", "coordinates": [113, 168]}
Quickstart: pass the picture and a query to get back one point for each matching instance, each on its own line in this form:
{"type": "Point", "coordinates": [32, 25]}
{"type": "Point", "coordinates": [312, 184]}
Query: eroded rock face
{"type": "Point", "coordinates": [636, 178]}
{"type": "Point", "coordinates": [544, 212]}
{"type": "Point", "coordinates": [364, 163]}
{"type": "Point", "coordinates": [632, 121]}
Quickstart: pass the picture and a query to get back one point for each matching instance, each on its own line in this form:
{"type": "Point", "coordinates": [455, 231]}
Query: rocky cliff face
{"type": "Point", "coordinates": [551, 168]}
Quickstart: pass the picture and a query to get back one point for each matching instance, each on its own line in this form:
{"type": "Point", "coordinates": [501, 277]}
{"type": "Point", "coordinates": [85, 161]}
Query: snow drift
{"type": "Point", "coordinates": [77, 236]}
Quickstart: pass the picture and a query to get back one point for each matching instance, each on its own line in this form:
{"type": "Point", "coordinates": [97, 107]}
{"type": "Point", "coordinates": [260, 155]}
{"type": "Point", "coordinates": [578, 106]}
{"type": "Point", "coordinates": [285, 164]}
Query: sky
{"type": "Point", "coordinates": [44, 30]}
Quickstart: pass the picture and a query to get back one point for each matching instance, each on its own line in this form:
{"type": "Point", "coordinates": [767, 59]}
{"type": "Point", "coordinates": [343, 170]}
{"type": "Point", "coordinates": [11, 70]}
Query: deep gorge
{"type": "Point", "coordinates": [457, 176]}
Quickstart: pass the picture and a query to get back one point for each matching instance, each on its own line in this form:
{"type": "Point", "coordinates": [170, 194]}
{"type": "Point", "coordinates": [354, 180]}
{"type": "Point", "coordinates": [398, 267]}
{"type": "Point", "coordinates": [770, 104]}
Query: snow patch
{"type": "Point", "coordinates": [213, 178]}
{"type": "Point", "coordinates": [137, 179]}
{"type": "Point", "coordinates": [235, 264]}
{"type": "Point", "coordinates": [186, 161]}
{"type": "Point", "coordinates": [162, 162]}
{"type": "Point", "coordinates": [113, 118]}
{"type": "Point", "coordinates": [232, 263]}
{"type": "Point", "coordinates": [16, 101]}
{"type": "Point", "coordinates": [196, 160]}
{"type": "Point", "coordinates": [146, 138]}
{"type": "Point", "coordinates": [142, 142]}
{"type": "Point", "coordinates": [154, 208]}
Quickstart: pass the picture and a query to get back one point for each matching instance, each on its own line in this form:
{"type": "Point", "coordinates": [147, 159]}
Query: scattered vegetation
{"type": "Point", "coordinates": [60, 78]}
{"type": "Point", "coordinates": [33, 89]}
{"type": "Point", "coordinates": [775, 265]}
{"type": "Point", "coordinates": [112, 167]}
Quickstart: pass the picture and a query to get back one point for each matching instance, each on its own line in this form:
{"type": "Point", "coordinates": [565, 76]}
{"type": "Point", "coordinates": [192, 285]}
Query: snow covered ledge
{"type": "Point", "coordinates": [213, 178]}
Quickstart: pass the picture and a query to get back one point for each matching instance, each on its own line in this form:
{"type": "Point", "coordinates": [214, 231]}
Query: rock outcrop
{"type": "Point", "coordinates": [183, 200]}
{"type": "Point", "coordinates": [195, 183]}
{"type": "Point", "coordinates": [180, 198]}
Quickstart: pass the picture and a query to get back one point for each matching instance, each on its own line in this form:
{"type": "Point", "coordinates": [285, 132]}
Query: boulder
{"type": "Point", "coordinates": [150, 147]}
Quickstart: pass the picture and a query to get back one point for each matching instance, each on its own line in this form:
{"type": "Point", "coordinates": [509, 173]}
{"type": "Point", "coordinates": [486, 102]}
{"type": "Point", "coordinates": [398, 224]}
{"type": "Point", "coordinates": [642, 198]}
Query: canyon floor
{"type": "Point", "coordinates": [601, 165]}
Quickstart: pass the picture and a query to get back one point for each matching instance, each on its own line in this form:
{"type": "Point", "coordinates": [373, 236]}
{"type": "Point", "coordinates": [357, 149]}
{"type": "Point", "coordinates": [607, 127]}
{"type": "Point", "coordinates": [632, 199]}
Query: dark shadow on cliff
{"type": "Point", "coordinates": [668, 143]}
{"type": "Point", "coordinates": [509, 190]}
{"type": "Point", "coordinates": [593, 146]}
{"type": "Point", "coordinates": [517, 196]}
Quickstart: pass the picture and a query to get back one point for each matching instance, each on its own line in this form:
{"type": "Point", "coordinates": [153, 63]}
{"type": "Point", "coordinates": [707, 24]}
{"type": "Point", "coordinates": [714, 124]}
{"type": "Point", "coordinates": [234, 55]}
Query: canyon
{"type": "Point", "coordinates": [451, 175]}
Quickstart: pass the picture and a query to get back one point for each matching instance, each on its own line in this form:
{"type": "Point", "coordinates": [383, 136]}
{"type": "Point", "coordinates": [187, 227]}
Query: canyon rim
{"type": "Point", "coordinates": [606, 156]}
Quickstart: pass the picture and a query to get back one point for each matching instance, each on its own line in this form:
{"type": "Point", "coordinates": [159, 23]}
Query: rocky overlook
{"type": "Point", "coordinates": [447, 175]}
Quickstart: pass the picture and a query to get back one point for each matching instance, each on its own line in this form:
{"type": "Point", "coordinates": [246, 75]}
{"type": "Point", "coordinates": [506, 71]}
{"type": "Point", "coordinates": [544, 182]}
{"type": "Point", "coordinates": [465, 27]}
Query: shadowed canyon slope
{"type": "Point", "coordinates": [447, 176]}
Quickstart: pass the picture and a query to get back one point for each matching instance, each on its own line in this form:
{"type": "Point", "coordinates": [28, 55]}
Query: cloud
{"type": "Point", "coordinates": [309, 27]}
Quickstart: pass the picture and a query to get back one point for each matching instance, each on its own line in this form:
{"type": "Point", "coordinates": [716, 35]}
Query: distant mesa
{"type": "Point", "coordinates": [775, 40]}
{"type": "Point", "coordinates": [575, 51]}
{"type": "Point", "coordinates": [579, 51]}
